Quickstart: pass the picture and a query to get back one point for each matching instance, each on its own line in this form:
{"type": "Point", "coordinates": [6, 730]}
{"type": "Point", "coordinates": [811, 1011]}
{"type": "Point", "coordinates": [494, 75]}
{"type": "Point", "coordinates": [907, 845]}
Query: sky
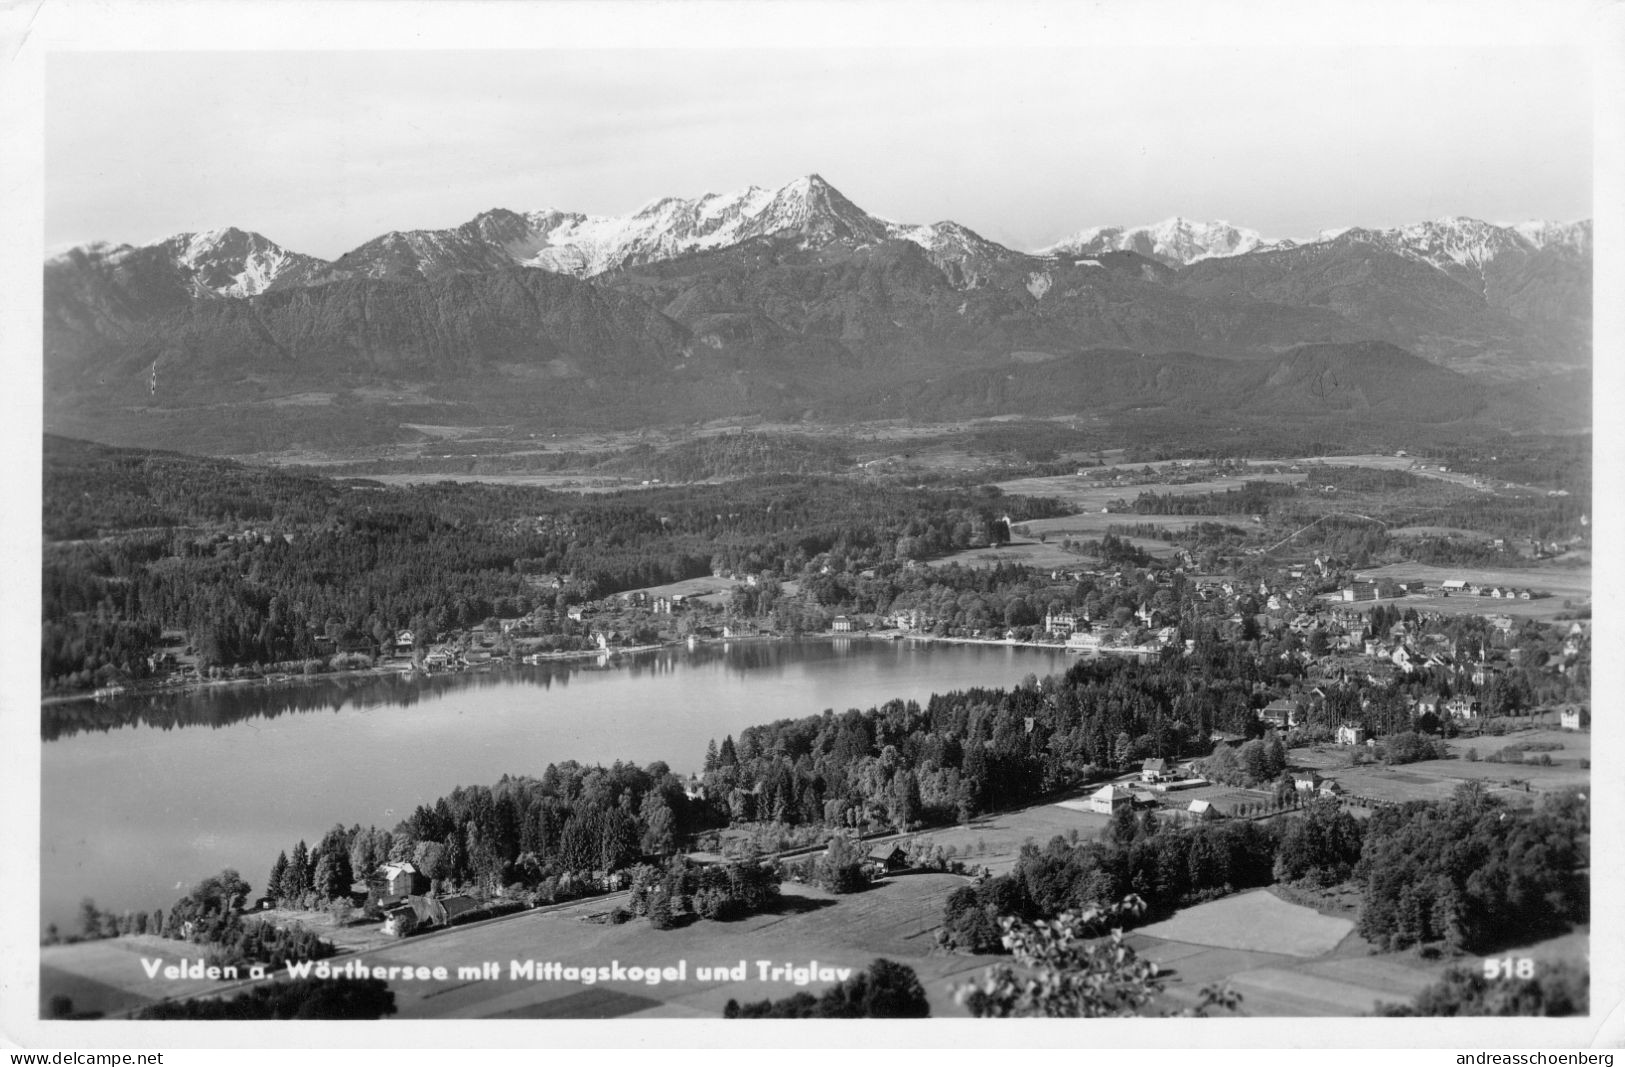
{"type": "Point", "coordinates": [1024, 142]}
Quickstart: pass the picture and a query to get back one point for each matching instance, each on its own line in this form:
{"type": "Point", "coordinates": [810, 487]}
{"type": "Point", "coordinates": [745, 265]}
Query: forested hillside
{"type": "Point", "coordinates": [255, 565]}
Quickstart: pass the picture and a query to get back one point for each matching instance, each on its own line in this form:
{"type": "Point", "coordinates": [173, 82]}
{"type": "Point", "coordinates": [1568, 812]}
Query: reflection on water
{"type": "Point", "coordinates": [228, 703]}
{"type": "Point", "coordinates": [143, 794]}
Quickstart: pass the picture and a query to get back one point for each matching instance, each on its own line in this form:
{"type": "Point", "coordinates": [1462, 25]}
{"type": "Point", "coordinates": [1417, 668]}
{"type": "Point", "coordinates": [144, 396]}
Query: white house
{"type": "Point", "coordinates": [398, 878]}
{"type": "Point", "coordinates": [1109, 799]}
{"type": "Point", "coordinates": [1083, 641]}
{"type": "Point", "coordinates": [1061, 623]}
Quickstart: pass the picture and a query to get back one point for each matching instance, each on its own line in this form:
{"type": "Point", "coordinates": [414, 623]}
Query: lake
{"type": "Point", "coordinates": [142, 797]}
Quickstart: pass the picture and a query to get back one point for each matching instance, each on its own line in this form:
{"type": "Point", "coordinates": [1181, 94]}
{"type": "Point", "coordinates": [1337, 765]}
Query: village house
{"type": "Point", "coordinates": [1349, 734]}
{"type": "Point", "coordinates": [1573, 717]}
{"type": "Point", "coordinates": [400, 881]}
{"type": "Point", "coordinates": [1154, 770]}
{"type": "Point", "coordinates": [1202, 810]}
{"type": "Point", "coordinates": [1459, 707]}
{"type": "Point", "coordinates": [425, 913]}
{"type": "Point", "coordinates": [1279, 713]}
{"type": "Point", "coordinates": [889, 858]}
{"type": "Point", "coordinates": [1306, 781]}
{"type": "Point", "coordinates": [1110, 799]}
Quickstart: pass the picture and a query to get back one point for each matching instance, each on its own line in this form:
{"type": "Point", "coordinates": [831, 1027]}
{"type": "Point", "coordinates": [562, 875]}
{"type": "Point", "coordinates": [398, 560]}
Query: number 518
{"type": "Point", "coordinates": [1509, 967]}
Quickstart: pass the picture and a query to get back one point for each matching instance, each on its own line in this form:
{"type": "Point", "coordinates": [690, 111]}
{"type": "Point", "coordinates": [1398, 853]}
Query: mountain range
{"type": "Point", "coordinates": [788, 301]}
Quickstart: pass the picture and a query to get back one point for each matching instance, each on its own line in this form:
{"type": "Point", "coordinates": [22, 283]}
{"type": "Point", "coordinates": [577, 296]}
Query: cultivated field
{"type": "Point", "coordinates": [1561, 582]}
{"type": "Point", "coordinates": [107, 976]}
{"type": "Point", "coordinates": [1437, 779]}
{"type": "Point", "coordinates": [894, 919]}
{"type": "Point", "coordinates": [1087, 495]}
{"type": "Point", "coordinates": [694, 587]}
{"type": "Point", "coordinates": [1289, 960]}
{"type": "Point", "coordinates": [1093, 524]}
{"type": "Point", "coordinates": [569, 483]}
{"type": "Point", "coordinates": [995, 842]}
{"type": "Point", "coordinates": [1258, 921]}
{"type": "Point", "coordinates": [1040, 555]}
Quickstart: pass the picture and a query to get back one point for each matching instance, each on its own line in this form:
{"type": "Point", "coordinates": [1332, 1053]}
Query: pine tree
{"type": "Point", "coordinates": [712, 759]}
{"type": "Point", "coordinates": [327, 881]}
{"type": "Point", "coordinates": [728, 756]}
{"type": "Point", "coordinates": [660, 912]}
{"type": "Point", "coordinates": [279, 873]}
{"type": "Point", "coordinates": [297, 878]}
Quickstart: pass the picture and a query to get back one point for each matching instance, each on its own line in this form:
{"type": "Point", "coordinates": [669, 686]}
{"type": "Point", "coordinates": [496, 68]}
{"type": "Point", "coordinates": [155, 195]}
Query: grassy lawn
{"type": "Point", "coordinates": [1561, 582]}
{"type": "Point", "coordinates": [107, 976]}
{"type": "Point", "coordinates": [995, 842]}
{"type": "Point", "coordinates": [1257, 921]}
{"type": "Point", "coordinates": [895, 919]}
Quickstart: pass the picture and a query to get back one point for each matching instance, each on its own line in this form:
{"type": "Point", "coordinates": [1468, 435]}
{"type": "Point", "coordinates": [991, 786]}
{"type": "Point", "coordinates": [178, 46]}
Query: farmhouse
{"type": "Point", "coordinates": [889, 858]}
{"type": "Point", "coordinates": [1279, 713]}
{"type": "Point", "coordinates": [1202, 810]}
{"type": "Point", "coordinates": [400, 881]}
{"type": "Point", "coordinates": [1306, 781]}
{"type": "Point", "coordinates": [425, 912]}
{"type": "Point", "coordinates": [1153, 770]}
{"type": "Point", "coordinates": [1110, 799]}
{"type": "Point", "coordinates": [1349, 734]}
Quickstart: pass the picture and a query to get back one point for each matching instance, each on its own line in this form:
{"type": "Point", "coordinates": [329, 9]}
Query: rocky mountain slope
{"type": "Point", "coordinates": [797, 302]}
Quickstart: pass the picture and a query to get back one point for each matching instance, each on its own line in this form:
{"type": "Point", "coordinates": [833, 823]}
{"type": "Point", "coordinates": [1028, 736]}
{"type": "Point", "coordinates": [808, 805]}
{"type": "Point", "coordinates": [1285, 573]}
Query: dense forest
{"type": "Point", "coordinates": [1471, 874]}
{"type": "Point", "coordinates": [257, 567]}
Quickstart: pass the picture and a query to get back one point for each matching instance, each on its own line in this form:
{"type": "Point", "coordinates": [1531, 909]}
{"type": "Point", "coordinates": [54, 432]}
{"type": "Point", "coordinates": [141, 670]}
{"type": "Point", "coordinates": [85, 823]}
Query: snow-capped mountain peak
{"type": "Point", "coordinates": [224, 261]}
{"type": "Point", "coordinates": [1575, 236]}
{"type": "Point", "coordinates": [1176, 241]}
{"type": "Point", "coordinates": [1462, 245]}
